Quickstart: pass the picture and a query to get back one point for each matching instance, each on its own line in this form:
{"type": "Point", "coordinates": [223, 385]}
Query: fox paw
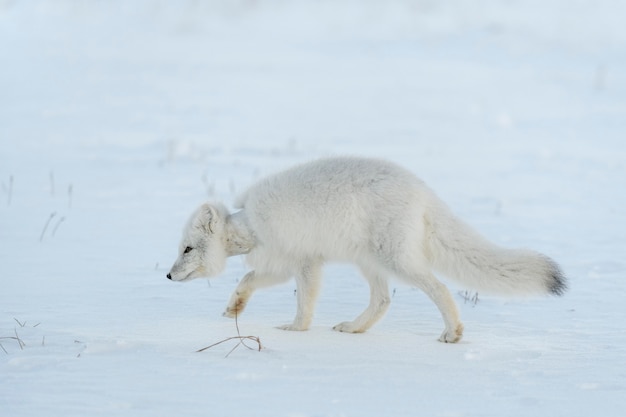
{"type": "Point", "coordinates": [452, 335]}
{"type": "Point", "coordinates": [348, 327]}
{"type": "Point", "coordinates": [292, 327]}
{"type": "Point", "coordinates": [235, 309]}
{"type": "Point", "coordinates": [231, 314]}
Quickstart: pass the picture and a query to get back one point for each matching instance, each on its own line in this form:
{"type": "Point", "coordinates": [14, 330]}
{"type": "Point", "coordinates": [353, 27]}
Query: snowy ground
{"type": "Point", "coordinates": [120, 117]}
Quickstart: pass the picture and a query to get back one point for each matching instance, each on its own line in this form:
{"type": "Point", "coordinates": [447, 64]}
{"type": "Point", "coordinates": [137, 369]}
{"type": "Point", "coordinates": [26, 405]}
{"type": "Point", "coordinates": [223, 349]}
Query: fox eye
{"type": "Point", "coordinates": [188, 249]}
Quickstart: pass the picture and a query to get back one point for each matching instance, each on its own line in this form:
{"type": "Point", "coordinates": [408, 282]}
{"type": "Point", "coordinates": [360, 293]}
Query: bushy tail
{"type": "Point", "coordinates": [463, 255]}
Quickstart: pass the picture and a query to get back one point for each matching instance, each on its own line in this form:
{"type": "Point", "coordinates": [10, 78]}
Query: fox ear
{"type": "Point", "coordinates": [207, 218]}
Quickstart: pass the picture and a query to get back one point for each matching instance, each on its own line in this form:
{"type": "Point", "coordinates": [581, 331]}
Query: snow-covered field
{"type": "Point", "coordinates": [117, 118]}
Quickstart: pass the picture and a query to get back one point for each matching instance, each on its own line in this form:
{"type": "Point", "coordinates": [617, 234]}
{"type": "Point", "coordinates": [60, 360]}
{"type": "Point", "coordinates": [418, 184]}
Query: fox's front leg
{"type": "Point", "coordinates": [240, 296]}
{"type": "Point", "coordinates": [249, 283]}
{"type": "Point", "coordinates": [308, 288]}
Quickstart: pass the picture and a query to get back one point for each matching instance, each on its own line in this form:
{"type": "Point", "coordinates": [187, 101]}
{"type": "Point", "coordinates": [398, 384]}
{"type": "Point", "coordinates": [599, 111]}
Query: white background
{"type": "Point", "coordinates": [117, 118]}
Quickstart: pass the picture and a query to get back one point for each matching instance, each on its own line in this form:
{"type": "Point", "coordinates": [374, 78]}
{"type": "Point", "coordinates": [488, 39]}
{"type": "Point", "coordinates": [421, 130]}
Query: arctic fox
{"type": "Point", "coordinates": [370, 212]}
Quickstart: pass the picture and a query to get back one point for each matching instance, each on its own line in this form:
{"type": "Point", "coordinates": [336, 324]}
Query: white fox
{"type": "Point", "coordinates": [370, 212]}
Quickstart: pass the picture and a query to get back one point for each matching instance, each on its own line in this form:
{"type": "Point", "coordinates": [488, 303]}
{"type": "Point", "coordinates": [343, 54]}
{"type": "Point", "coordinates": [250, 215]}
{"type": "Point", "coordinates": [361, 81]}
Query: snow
{"type": "Point", "coordinates": [120, 117]}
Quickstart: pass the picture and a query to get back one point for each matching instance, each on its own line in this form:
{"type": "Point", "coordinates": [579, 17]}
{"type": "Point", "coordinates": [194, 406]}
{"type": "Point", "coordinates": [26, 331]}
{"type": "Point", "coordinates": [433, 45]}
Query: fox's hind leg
{"type": "Point", "coordinates": [308, 287]}
{"type": "Point", "coordinates": [442, 298]}
{"type": "Point", "coordinates": [248, 284]}
{"type": "Point", "coordinates": [379, 303]}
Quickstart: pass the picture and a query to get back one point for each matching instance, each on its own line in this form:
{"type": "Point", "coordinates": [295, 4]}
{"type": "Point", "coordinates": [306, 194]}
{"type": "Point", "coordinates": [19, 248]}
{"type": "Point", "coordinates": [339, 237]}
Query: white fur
{"type": "Point", "coordinates": [372, 213]}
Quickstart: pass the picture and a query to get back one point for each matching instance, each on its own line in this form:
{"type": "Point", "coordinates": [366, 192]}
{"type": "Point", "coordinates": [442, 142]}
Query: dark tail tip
{"type": "Point", "coordinates": [558, 282]}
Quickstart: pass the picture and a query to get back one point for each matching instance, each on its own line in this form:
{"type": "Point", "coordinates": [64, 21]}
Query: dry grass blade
{"type": "Point", "coordinates": [240, 338]}
{"type": "Point", "coordinates": [241, 342]}
{"type": "Point", "coordinates": [54, 231]}
{"type": "Point", "coordinates": [22, 344]}
{"type": "Point", "coordinates": [17, 338]}
{"type": "Point", "coordinates": [45, 227]}
{"type": "Point", "coordinates": [468, 297]}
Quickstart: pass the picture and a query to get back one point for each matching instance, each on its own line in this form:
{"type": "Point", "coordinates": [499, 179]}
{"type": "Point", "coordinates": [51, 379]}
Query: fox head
{"type": "Point", "coordinates": [201, 252]}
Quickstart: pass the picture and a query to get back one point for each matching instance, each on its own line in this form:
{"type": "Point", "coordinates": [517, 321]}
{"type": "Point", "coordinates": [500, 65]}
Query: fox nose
{"type": "Point", "coordinates": [169, 276]}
